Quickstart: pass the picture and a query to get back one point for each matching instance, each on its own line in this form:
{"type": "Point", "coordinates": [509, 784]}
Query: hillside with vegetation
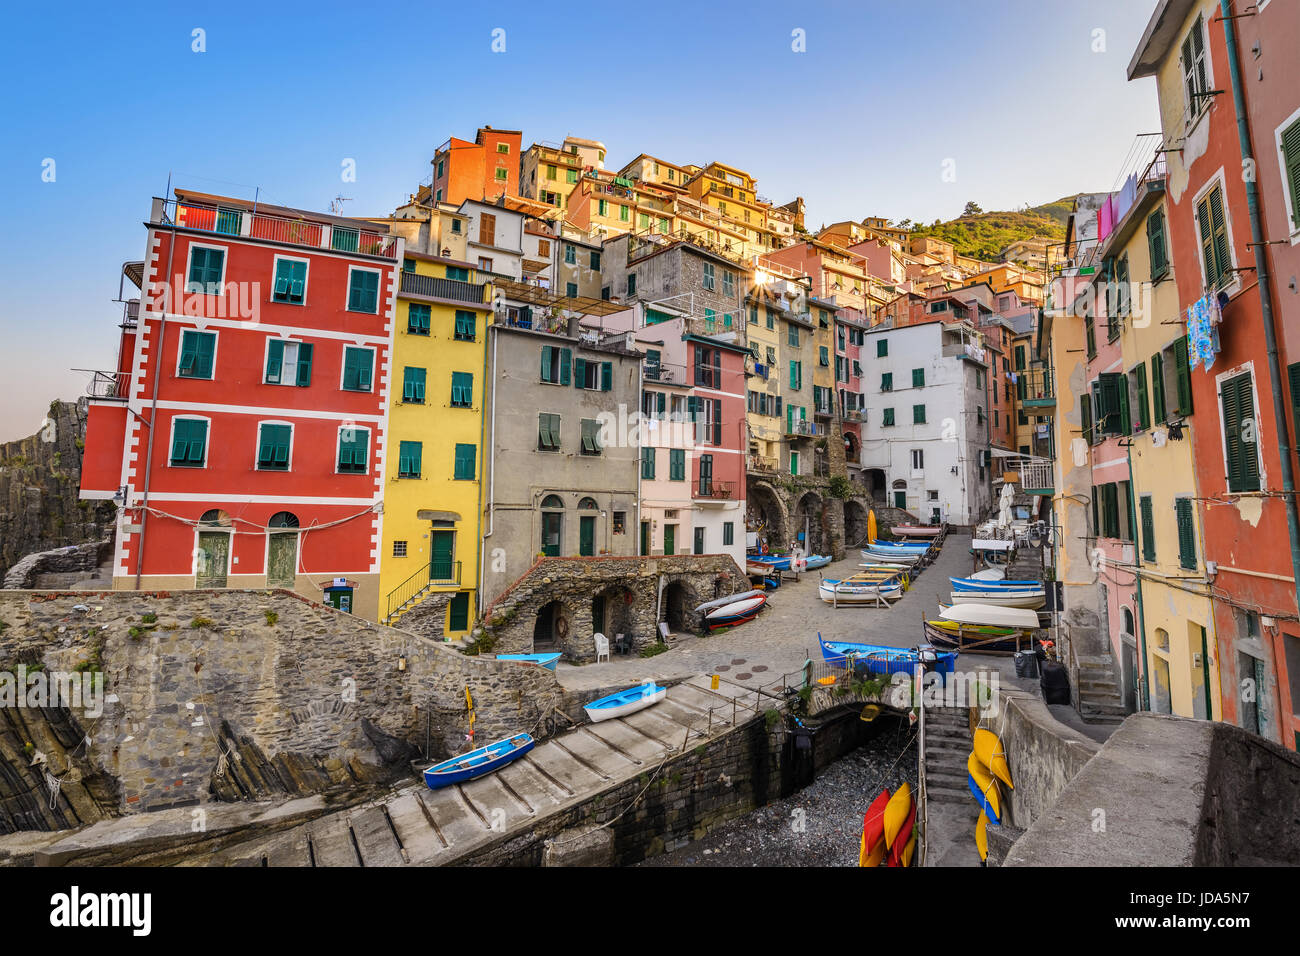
{"type": "Point", "coordinates": [985, 234]}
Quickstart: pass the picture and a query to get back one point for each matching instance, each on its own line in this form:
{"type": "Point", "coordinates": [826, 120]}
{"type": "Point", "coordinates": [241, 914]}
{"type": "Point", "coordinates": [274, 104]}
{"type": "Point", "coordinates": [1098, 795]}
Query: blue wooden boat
{"type": "Point", "coordinates": [541, 660]}
{"type": "Point", "coordinates": [815, 561]}
{"type": "Point", "coordinates": [919, 548]}
{"type": "Point", "coordinates": [780, 562]}
{"type": "Point", "coordinates": [476, 763]}
{"type": "Point", "coordinates": [626, 702]}
{"type": "Point", "coordinates": [880, 659]}
{"type": "Point", "coordinates": [974, 584]}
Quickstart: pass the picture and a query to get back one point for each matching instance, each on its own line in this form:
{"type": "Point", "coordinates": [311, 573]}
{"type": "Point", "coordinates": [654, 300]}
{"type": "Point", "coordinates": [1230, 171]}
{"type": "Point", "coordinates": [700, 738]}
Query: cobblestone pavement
{"type": "Point", "coordinates": [785, 633]}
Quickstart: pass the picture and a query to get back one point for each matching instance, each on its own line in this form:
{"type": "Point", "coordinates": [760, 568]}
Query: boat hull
{"type": "Point", "coordinates": [1020, 599]}
{"type": "Point", "coordinates": [625, 702]}
{"type": "Point", "coordinates": [880, 659]}
{"type": "Point", "coordinates": [838, 593]}
{"type": "Point", "coordinates": [541, 660]}
{"type": "Point", "coordinates": [738, 612]}
{"type": "Point", "coordinates": [478, 762]}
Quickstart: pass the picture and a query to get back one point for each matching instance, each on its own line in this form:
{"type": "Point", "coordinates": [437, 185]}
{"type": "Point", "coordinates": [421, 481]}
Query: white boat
{"type": "Point", "coordinates": [737, 612]}
{"type": "Point", "coordinates": [626, 702]}
{"type": "Point", "coordinates": [1002, 598]}
{"type": "Point", "coordinates": [990, 614]}
{"type": "Point", "coordinates": [859, 592]}
{"type": "Point", "coordinates": [884, 566]}
{"type": "Point", "coordinates": [989, 574]}
{"type": "Point", "coordinates": [900, 557]}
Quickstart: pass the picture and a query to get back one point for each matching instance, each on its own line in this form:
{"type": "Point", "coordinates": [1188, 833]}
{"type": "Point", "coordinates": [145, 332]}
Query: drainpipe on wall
{"type": "Point", "coordinates": [1259, 247]}
{"type": "Point", "coordinates": [1144, 685]}
{"type": "Point", "coordinates": [492, 465]}
{"type": "Point", "coordinates": [482, 430]}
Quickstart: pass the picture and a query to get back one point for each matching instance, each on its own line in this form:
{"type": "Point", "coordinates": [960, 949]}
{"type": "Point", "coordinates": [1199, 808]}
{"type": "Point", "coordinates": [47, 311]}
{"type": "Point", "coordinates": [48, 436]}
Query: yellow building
{"type": "Point", "coordinates": [732, 192]}
{"type": "Point", "coordinates": [1174, 612]}
{"type": "Point", "coordinates": [430, 552]}
{"type": "Point", "coordinates": [549, 172]}
{"type": "Point", "coordinates": [763, 309]}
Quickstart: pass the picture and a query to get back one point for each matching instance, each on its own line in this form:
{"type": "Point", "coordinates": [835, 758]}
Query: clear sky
{"type": "Point", "coordinates": [1025, 97]}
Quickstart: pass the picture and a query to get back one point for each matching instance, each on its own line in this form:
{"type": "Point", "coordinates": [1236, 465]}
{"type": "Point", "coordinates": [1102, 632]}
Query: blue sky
{"type": "Point", "coordinates": [859, 124]}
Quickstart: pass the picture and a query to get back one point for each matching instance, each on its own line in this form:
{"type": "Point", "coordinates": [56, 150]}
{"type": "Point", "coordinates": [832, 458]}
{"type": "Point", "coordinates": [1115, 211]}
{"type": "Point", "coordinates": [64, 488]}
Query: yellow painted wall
{"type": "Point", "coordinates": [439, 427]}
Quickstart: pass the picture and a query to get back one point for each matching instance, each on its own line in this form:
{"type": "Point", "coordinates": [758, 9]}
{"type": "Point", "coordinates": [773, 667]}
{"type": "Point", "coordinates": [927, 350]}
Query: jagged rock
{"type": "Point", "coordinates": [390, 749]}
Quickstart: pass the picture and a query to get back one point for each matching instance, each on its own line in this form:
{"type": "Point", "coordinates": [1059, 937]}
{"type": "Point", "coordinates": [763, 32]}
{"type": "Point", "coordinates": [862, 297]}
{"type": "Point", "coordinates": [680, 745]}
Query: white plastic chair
{"type": "Point", "coordinates": [602, 647]}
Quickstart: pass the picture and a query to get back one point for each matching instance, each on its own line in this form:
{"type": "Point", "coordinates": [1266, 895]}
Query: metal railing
{"type": "Point", "coordinates": [708, 488]}
{"type": "Point", "coordinates": [1036, 386]}
{"type": "Point", "coordinates": [804, 428]}
{"type": "Point", "coordinates": [438, 572]}
{"type": "Point", "coordinates": [107, 384]}
{"type": "Point", "coordinates": [437, 288]}
{"type": "Point", "coordinates": [764, 463]}
{"type": "Point", "coordinates": [231, 221]}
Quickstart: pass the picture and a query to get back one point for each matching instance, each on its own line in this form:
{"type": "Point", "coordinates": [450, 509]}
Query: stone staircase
{"type": "Point", "coordinates": [947, 745]}
{"type": "Point", "coordinates": [1097, 694]}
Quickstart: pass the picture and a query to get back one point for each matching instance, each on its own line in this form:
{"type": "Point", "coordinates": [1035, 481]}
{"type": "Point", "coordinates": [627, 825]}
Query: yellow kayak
{"type": "Point", "coordinates": [900, 804]}
{"type": "Point", "coordinates": [982, 836]}
{"type": "Point", "coordinates": [988, 748]}
{"type": "Point", "coordinates": [984, 788]}
{"type": "Point", "coordinates": [909, 849]}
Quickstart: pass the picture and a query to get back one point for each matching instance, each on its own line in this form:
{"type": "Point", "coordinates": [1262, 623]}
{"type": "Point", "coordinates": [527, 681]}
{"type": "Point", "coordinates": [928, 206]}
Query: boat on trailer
{"type": "Point", "coordinates": [478, 762]}
{"type": "Point", "coordinates": [626, 702]}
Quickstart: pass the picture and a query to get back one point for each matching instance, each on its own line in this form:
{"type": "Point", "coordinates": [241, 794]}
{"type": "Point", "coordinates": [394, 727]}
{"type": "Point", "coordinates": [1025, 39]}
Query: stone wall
{"type": "Point", "coordinates": [227, 695]}
{"type": "Point", "coordinates": [71, 562]}
{"type": "Point", "coordinates": [40, 483]}
{"type": "Point", "coordinates": [789, 505]}
{"type": "Point", "coordinates": [563, 590]}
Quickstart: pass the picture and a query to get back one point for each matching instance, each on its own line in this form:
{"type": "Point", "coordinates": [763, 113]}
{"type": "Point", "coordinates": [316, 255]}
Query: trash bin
{"type": "Point", "coordinates": [1055, 683]}
{"type": "Point", "coordinates": [1026, 664]}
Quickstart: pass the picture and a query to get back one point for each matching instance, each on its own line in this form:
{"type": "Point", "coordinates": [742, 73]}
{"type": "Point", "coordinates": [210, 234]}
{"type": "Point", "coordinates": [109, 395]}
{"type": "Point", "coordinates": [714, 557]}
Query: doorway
{"type": "Point", "coordinates": [645, 538]}
{"type": "Point", "coordinates": [442, 548]}
{"type": "Point", "coordinates": [213, 559]}
{"type": "Point", "coordinates": [699, 540]}
{"type": "Point", "coordinates": [587, 535]}
{"type": "Point", "coordinates": [282, 550]}
{"type": "Point", "coordinates": [670, 538]}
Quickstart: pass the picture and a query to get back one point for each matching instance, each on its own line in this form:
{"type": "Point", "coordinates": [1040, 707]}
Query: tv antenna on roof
{"type": "Point", "coordinates": [336, 204]}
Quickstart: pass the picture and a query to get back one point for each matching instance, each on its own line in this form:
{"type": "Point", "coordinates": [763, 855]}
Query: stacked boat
{"type": "Point", "coordinates": [984, 628]}
{"type": "Point", "coordinates": [985, 768]}
{"type": "Point", "coordinates": [733, 610]}
{"type": "Point", "coordinates": [897, 551]}
{"type": "Point", "coordinates": [889, 829]}
{"type": "Point", "coordinates": [878, 659]}
{"type": "Point", "coordinates": [866, 587]}
{"type": "Point", "coordinates": [1003, 593]}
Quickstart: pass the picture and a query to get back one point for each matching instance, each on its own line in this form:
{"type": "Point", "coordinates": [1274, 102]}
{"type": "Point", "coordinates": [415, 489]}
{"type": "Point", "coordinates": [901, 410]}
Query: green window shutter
{"type": "Point", "coordinates": [465, 462]}
{"type": "Point", "coordinates": [1085, 416]}
{"type": "Point", "coordinates": [1141, 420]}
{"type": "Point", "coordinates": [1186, 534]}
{"type": "Point", "coordinates": [189, 442]}
{"type": "Point", "coordinates": [413, 380]}
{"type": "Point", "coordinates": [1112, 510]}
{"type": "Point", "coordinates": [546, 363]}
{"type": "Point", "coordinates": [918, 414]}
{"type": "Point", "coordinates": [566, 359]}
{"type": "Point", "coordinates": [590, 437]}
{"type": "Point", "coordinates": [1222, 255]}
{"type": "Point", "coordinates": [290, 281]}
{"type": "Point", "coordinates": [462, 389]}
{"type": "Point", "coordinates": [1148, 529]}
{"type": "Point", "coordinates": [304, 365]}
{"type": "Point", "coordinates": [417, 319]}
{"type": "Point", "coordinates": [548, 431]}
{"type": "Point", "coordinates": [886, 381]}
{"type": "Point", "coordinates": [1184, 377]}
{"type": "Point", "coordinates": [1121, 390]}
{"type": "Point", "coordinates": [606, 376]}
{"type": "Point", "coordinates": [918, 378]}
{"type": "Point", "coordinates": [1090, 334]}
{"type": "Point", "coordinates": [882, 348]}
{"type": "Point", "coordinates": [1158, 411]}
{"type": "Point", "coordinates": [273, 447]}
{"type": "Point", "coordinates": [1156, 244]}
{"type": "Point", "coordinates": [354, 455]}
{"type": "Point", "coordinates": [1096, 512]}
{"type": "Point", "coordinates": [1207, 242]}
{"type": "Point", "coordinates": [1291, 165]}
{"type": "Point", "coordinates": [647, 463]}
{"type": "Point", "coordinates": [207, 348]}
{"type": "Point", "coordinates": [579, 372]}
{"type": "Point", "coordinates": [274, 360]}
{"type": "Point", "coordinates": [888, 417]}
{"type": "Point", "coordinates": [1242, 450]}
{"type": "Point", "coordinates": [465, 325]}
{"type": "Point", "coordinates": [677, 464]}
{"type": "Point", "coordinates": [409, 455]}
{"type": "Point", "coordinates": [824, 356]}
{"type": "Point", "coordinates": [363, 290]}
{"type": "Point", "coordinates": [358, 366]}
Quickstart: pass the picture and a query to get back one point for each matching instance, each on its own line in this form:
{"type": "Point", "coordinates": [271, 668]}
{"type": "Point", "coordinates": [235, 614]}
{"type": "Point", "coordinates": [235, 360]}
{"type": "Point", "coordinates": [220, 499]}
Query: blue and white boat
{"type": "Point", "coordinates": [541, 660]}
{"type": "Point", "coordinates": [815, 561]}
{"type": "Point", "coordinates": [920, 547]}
{"type": "Point", "coordinates": [626, 701]}
{"type": "Point", "coordinates": [891, 557]}
{"type": "Point", "coordinates": [880, 659]}
{"type": "Point", "coordinates": [864, 590]}
{"type": "Point", "coordinates": [780, 562]}
{"type": "Point", "coordinates": [975, 584]}
{"type": "Point", "coordinates": [478, 762]}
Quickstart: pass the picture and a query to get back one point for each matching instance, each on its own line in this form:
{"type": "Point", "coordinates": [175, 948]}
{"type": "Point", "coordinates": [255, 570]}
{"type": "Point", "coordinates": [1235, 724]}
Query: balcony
{"type": "Point", "coordinates": [706, 489]}
{"type": "Point", "coordinates": [965, 350]}
{"type": "Point", "coordinates": [802, 428]}
{"type": "Point", "coordinates": [232, 221]}
{"type": "Point", "coordinates": [436, 288]}
{"type": "Point", "coordinates": [1035, 388]}
{"type": "Point", "coordinates": [764, 464]}
{"type": "Point", "coordinates": [664, 374]}
{"type": "Point", "coordinates": [107, 385]}
{"type": "Point", "coordinates": [1035, 476]}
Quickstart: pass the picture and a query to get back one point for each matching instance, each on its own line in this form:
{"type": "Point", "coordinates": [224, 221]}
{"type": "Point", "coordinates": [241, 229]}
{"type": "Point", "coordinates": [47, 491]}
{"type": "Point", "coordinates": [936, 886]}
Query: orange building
{"type": "Point", "coordinates": [484, 169]}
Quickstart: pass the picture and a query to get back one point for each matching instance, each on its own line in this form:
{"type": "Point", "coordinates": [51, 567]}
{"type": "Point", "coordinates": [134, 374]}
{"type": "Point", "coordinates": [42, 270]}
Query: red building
{"type": "Point", "coordinates": [849, 337]}
{"type": "Point", "coordinates": [484, 169]}
{"type": "Point", "coordinates": [1217, 251]}
{"type": "Point", "coordinates": [717, 406]}
{"type": "Point", "coordinates": [242, 430]}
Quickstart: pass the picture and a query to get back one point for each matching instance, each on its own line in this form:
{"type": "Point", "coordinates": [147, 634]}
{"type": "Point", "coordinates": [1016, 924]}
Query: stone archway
{"type": "Point", "coordinates": [676, 611]}
{"type": "Point", "coordinates": [546, 635]}
{"type": "Point", "coordinates": [874, 478]}
{"type": "Point", "coordinates": [808, 514]}
{"type": "Point", "coordinates": [765, 513]}
{"type": "Point", "coordinates": [855, 524]}
{"type": "Point", "coordinates": [613, 613]}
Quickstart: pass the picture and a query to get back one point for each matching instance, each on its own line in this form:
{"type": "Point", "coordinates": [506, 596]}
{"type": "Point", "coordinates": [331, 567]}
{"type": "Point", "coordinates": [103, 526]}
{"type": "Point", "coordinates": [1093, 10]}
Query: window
{"type": "Point", "coordinates": [570, 176]}
{"type": "Point", "coordinates": [882, 348]}
{"type": "Point", "coordinates": [620, 522]}
{"type": "Point", "coordinates": [1156, 245]}
{"type": "Point", "coordinates": [918, 459]}
{"type": "Point", "coordinates": [462, 389]}
{"type": "Point", "coordinates": [918, 414]}
{"type": "Point", "coordinates": [643, 220]}
{"type": "Point", "coordinates": [363, 291]}
{"type": "Point", "coordinates": [413, 385]}
{"type": "Point", "coordinates": [823, 356]}
{"type": "Point", "coordinates": [291, 280]}
{"type": "Point", "coordinates": [408, 459]}
{"type": "Point", "coordinates": [593, 376]}
{"type": "Point", "coordinates": [1137, 382]}
{"type": "Point", "coordinates": [1196, 81]}
{"type": "Point", "coordinates": [1288, 144]}
{"type": "Point", "coordinates": [728, 533]}
{"type": "Point", "coordinates": [273, 447]}
{"type": "Point", "coordinates": [459, 273]}
{"type": "Point", "coordinates": [358, 368]}
{"type": "Point", "coordinates": [590, 437]}
{"type": "Point", "coordinates": [663, 224]}
{"type": "Point", "coordinates": [570, 255]}
{"type": "Point", "coordinates": [198, 349]}
{"type": "Point", "coordinates": [417, 319]}
{"type": "Point", "coordinates": [753, 315]}
{"type": "Point", "coordinates": [708, 367]}
{"type": "Point", "coordinates": [465, 329]}
{"type": "Point", "coordinates": [502, 174]}
{"type": "Point", "coordinates": [288, 363]}
{"type": "Point", "coordinates": [399, 549]}
{"type": "Point", "coordinates": [1212, 227]}
{"type": "Point", "coordinates": [1240, 438]}
{"type": "Point", "coordinates": [463, 469]}
{"type": "Point", "coordinates": [602, 207]}
{"type": "Point", "coordinates": [1110, 403]}
{"type": "Point", "coordinates": [792, 336]}
{"type": "Point", "coordinates": [771, 320]}
{"type": "Point", "coordinates": [354, 450]}
{"type": "Point", "coordinates": [728, 283]}
{"type": "Point", "coordinates": [206, 268]}
{"type": "Point", "coordinates": [1085, 416]}
{"type": "Point", "coordinates": [548, 432]}
{"type": "Point", "coordinates": [484, 264]}
{"type": "Point", "coordinates": [1186, 534]}
{"type": "Point", "coordinates": [796, 375]}
{"type": "Point", "coordinates": [839, 338]}
{"type": "Point", "coordinates": [706, 413]}
{"type": "Point", "coordinates": [442, 165]}
{"type": "Point", "coordinates": [503, 148]}
{"type": "Point", "coordinates": [918, 378]}
{"type": "Point", "coordinates": [631, 283]}
{"type": "Point", "coordinates": [551, 172]}
{"type": "Point", "coordinates": [455, 224]}
{"type": "Point", "coordinates": [1158, 411]}
{"type": "Point", "coordinates": [676, 464]}
{"type": "Point", "coordinates": [189, 442]}
{"type": "Point", "coordinates": [1148, 529]}
{"type": "Point", "coordinates": [1090, 336]}
{"type": "Point", "coordinates": [595, 261]}
{"type": "Point", "coordinates": [647, 463]}
{"type": "Point", "coordinates": [624, 213]}
{"type": "Point", "coordinates": [708, 276]}
{"type": "Point", "coordinates": [888, 418]}
{"type": "Point", "coordinates": [886, 381]}
{"type": "Point", "coordinates": [555, 365]}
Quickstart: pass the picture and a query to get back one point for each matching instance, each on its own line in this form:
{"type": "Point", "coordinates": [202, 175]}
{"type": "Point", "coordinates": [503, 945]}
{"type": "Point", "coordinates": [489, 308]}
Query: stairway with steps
{"type": "Point", "coordinates": [1097, 695]}
{"type": "Point", "coordinates": [951, 811]}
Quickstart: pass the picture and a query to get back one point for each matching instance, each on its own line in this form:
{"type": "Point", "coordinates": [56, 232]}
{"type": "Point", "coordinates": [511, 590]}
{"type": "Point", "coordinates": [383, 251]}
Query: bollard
{"type": "Point", "coordinates": [713, 682]}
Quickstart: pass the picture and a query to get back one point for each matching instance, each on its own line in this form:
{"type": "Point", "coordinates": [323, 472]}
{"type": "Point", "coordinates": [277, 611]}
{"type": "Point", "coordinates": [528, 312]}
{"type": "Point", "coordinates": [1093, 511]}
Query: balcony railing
{"type": "Point", "coordinates": [440, 572]}
{"type": "Point", "coordinates": [436, 288]}
{"type": "Point", "coordinates": [107, 384]}
{"type": "Point", "coordinates": [764, 463]}
{"type": "Point", "coordinates": [1035, 388]}
{"type": "Point", "coordinates": [230, 221]}
{"type": "Point", "coordinates": [802, 428]}
{"type": "Point", "coordinates": [718, 490]}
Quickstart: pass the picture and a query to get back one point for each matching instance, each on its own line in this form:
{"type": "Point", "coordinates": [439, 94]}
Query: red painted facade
{"type": "Point", "coordinates": [464, 170]}
{"type": "Point", "coordinates": [727, 444]}
{"type": "Point", "coordinates": [337, 516]}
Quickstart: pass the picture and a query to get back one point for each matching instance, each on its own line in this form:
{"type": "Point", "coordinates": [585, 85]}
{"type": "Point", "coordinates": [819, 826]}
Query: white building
{"type": "Point", "coordinates": [925, 429]}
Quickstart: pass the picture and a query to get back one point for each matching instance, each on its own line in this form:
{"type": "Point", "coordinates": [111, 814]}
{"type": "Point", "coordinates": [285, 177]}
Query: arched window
{"type": "Point", "coordinates": [587, 504]}
{"type": "Point", "coordinates": [552, 526]}
{"type": "Point", "coordinates": [215, 518]}
{"type": "Point", "coordinates": [552, 501]}
{"type": "Point", "coordinates": [283, 519]}
{"type": "Point", "coordinates": [1128, 622]}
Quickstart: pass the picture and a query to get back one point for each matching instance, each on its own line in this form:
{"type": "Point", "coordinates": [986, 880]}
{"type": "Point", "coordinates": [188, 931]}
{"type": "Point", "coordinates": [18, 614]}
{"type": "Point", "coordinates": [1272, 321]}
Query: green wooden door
{"type": "Point", "coordinates": [458, 612]}
{"type": "Point", "coordinates": [442, 546]}
{"type": "Point", "coordinates": [900, 499]}
{"type": "Point", "coordinates": [214, 556]}
{"type": "Point", "coordinates": [340, 598]}
{"type": "Point", "coordinates": [587, 535]}
{"type": "Point", "coordinates": [282, 560]}
{"type": "Point", "coordinates": [670, 534]}
{"type": "Point", "coordinates": [645, 538]}
{"type": "Point", "coordinates": [551, 525]}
